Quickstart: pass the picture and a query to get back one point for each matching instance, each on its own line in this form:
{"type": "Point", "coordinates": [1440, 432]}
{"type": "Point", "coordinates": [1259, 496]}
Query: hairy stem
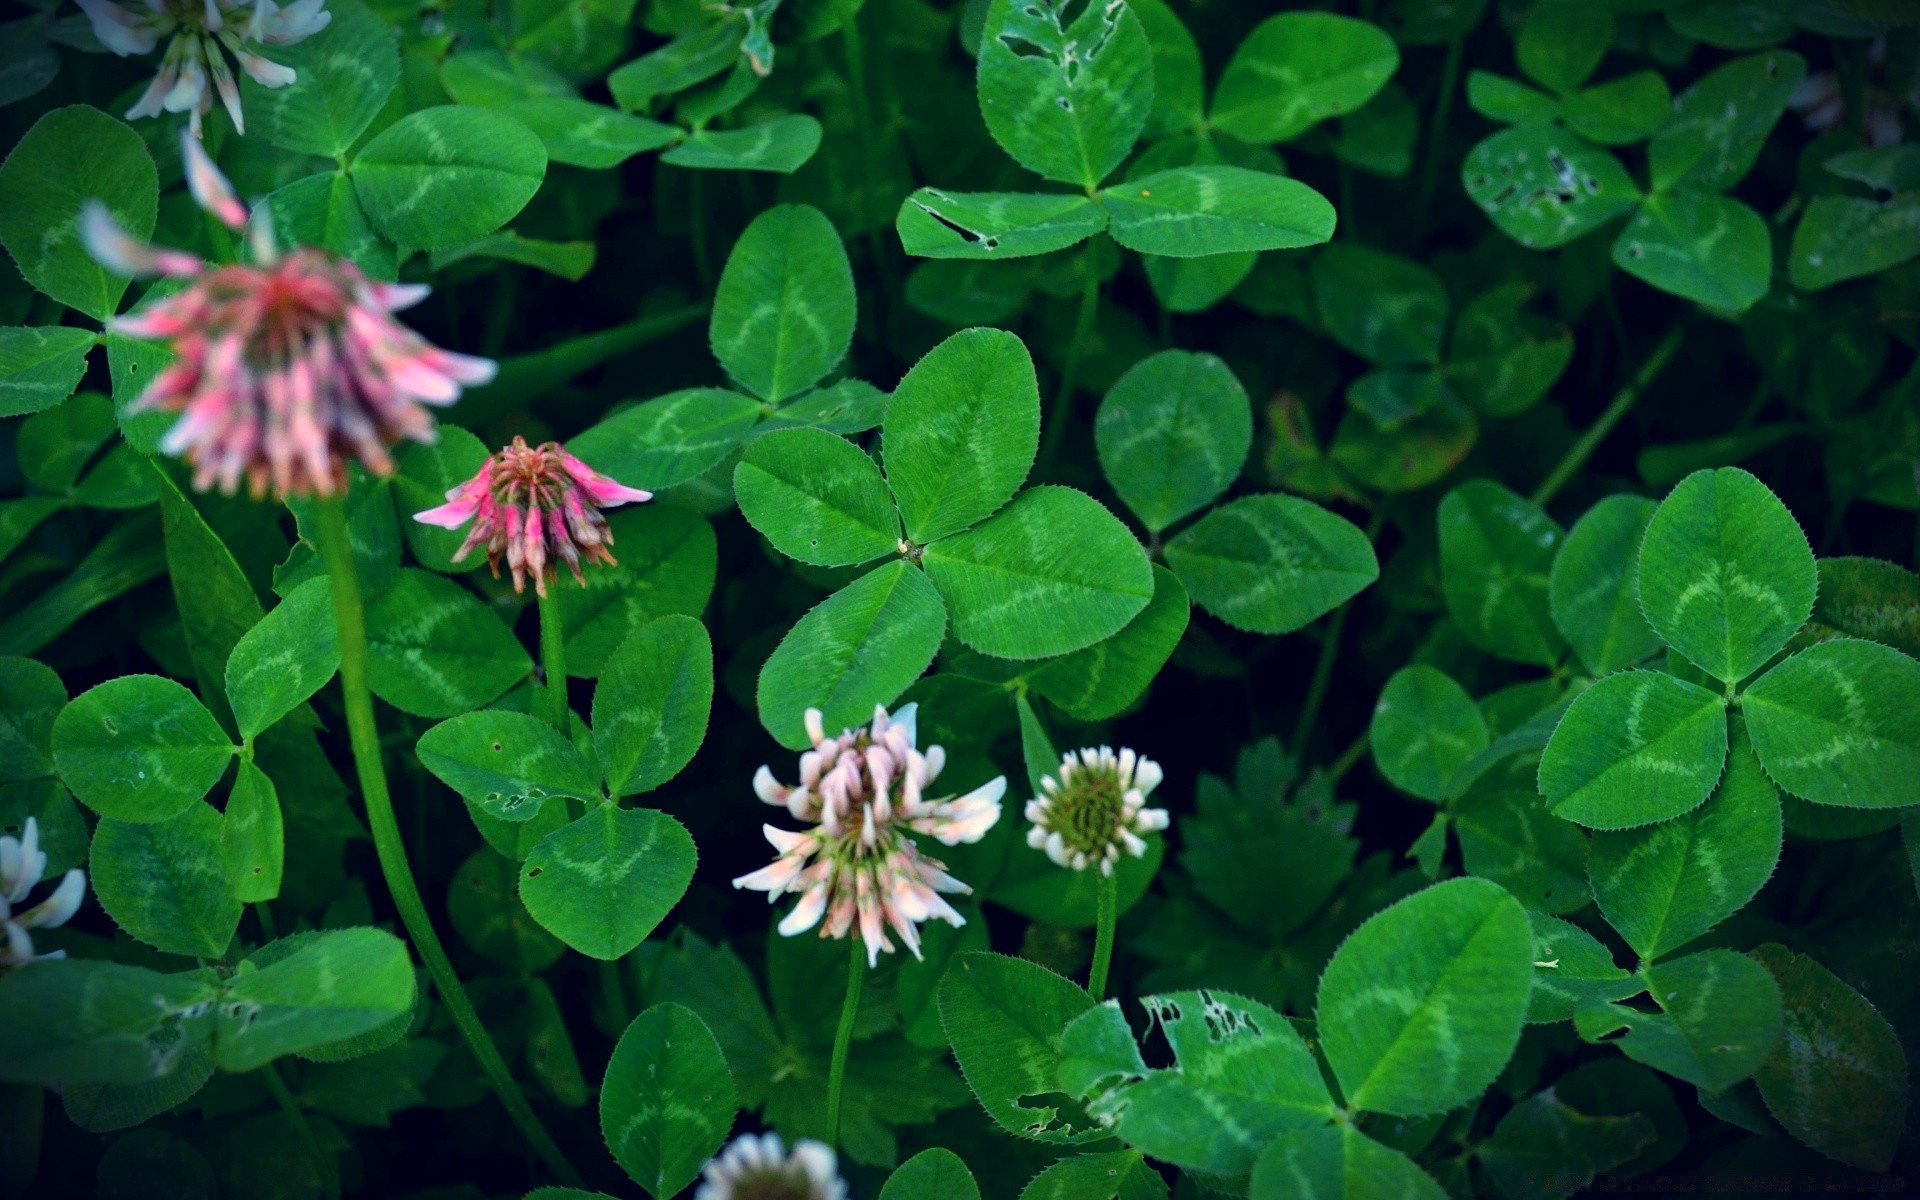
{"type": "Point", "coordinates": [1106, 915]}
{"type": "Point", "coordinates": [553, 663]}
{"type": "Point", "coordinates": [1070, 369]}
{"type": "Point", "coordinates": [350, 617]}
{"type": "Point", "coordinates": [1577, 455]}
{"type": "Point", "coordinates": [843, 1037]}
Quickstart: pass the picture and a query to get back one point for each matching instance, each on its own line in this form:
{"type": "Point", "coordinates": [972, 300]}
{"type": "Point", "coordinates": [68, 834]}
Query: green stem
{"type": "Point", "coordinates": [1577, 455]}
{"type": "Point", "coordinates": [1349, 757]}
{"type": "Point", "coordinates": [1329, 649]}
{"type": "Point", "coordinates": [553, 663]}
{"type": "Point", "coordinates": [1442, 109]}
{"type": "Point", "coordinates": [843, 1036]}
{"type": "Point", "coordinates": [350, 617]}
{"type": "Point", "coordinates": [1106, 913]}
{"type": "Point", "coordinates": [323, 1164]}
{"type": "Point", "coordinates": [613, 992]}
{"type": "Point", "coordinates": [1070, 369]}
{"type": "Point", "coordinates": [869, 146]}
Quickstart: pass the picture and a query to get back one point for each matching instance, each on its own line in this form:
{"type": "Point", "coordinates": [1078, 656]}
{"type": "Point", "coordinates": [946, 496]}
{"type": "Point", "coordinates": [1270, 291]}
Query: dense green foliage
{"type": "Point", "coordinates": [1473, 446]}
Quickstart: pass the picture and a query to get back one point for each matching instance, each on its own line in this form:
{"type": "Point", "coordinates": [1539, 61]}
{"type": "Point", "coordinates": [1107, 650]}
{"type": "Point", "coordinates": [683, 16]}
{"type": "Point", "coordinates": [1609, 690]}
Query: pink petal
{"type": "Point", "coordinates": [209, 187]}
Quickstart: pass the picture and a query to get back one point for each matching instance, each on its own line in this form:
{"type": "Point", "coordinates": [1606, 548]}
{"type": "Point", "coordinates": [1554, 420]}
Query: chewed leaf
{"type": "Point", "coordinates": [984, 225]}
{"type": "Point", "coordinates": [1065, 89]}
{"type": "Point", "coordinates": [1719, 1018]}
{"type": "Point", "coordinates": [1544, 187]}
{"type": "Point", "coordinates": [508, 763]}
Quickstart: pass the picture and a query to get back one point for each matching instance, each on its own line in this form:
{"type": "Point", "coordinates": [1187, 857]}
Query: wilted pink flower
{"type": "Point", "coordinates": [758, 1167]}
{"type": "Point", "coordinates": [864, 791]}
{"type": "Point", "coordinates": [198, 29]}
{"type": "Point", "coordinates": [534, 504]}
{"type": "Point", "coordinates": [22, 863]}
{"type": "Point", "coordinates": [285, 367]}
{"type": "Point", "coordinates": [1095, 809]}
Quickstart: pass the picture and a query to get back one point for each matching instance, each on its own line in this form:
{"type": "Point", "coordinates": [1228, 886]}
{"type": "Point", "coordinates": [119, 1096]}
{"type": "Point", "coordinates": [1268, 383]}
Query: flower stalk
{"type": "Point", "coordinates": [843, 1038]}
{"type": "Point", "coordinates": [553, 664]}
{"type": "Point", "coordinates": [350, 617]}
{"type": "Point", "coordinates": [1106, 915]}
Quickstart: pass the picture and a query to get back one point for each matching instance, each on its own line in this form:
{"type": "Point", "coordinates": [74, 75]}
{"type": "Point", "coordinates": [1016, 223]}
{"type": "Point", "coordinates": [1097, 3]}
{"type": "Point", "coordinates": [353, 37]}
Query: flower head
{"type": "Point", "coordinates": [22, 863]}
{"type": "Point", "coordinates": [1094, 808]}
{"type": "Point", "coordinates": [758, 1167]}
{"type": "Point", "coordinates": [203, 35]}
{"type": "Point", "coordinates": [534, 504]}
{"type": "Point", "coordinates": [864, 791]}
{"type": "Point", "coordinates": [285, 367]}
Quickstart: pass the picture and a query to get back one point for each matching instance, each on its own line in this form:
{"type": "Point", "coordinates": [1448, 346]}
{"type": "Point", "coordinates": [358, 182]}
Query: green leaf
{"type": "Point", "coordinates": [1870, 598]}
{"type": "Point", "coordinates": [1272, 563]}
{"type": "Point", "coordinates": [1120, 1175]}
{"type": "Point", "coordinates": [253, 837]}
{"type": "Point", "coordinates": [40, 367]}
{"type": "Point", "coordinates": [344, 75]}
{"type": "Point", "coordinates": [1592, 587]}
{"type": "Point", "coordinates": [436, 650]}
{"type": "Point", "coordinates": [1726, 576]}
{"type": "Point", "coordinates": [650, 708]}
{"type": "Point", "coordinates": [569, 260]}
{"type": "Point", "coordinates": [1744, 24]}
{"type": "Point", "coordinates": [53, 446]}
{"type": "Point", "coordinates": [70, 156]}
{"type": "Point", "coordinates": [1179, 76]}
{"type": "Point", "coordinates": [1721, 122]}
{"type": "Point", "coordinates": [667, 1101]}
{"type": "Point", "coordinates": [489, 78]}
{"type": "Point", "coordinates": [1005, 1018]}
{"type": "Point", "coordinates": [139, 748]}
{"type": "Point", "coordinates": [936, 1173]}
{"type": "Point", "coordinates": [324, 210]}
{"type": "Point", "coordinates": [309, 991]}
{"type": "Point", "coordinates": [782, 145]}
{"type": "Point", "coordinates": [217, 603]}
{"type": "Point", "coordinates": [1241, 1075]}
{"type": "Point", "coordinates": [1385, 308]}
{"type": "Point", "coordinates": [1338, 1162]}
{"type": "Point", "coordinates": [668, 561]}
{"type": "Point", "coordinates": [579, 133]}
{"type": "Point", "coordinates": [1845, 237]}
{"type": "Point", "coordinates": [669, 439]}
{"type": "Point", "coordinates": [1838, 724]}
{"type": "Point", "coordinates": [1562, 41]}
{"type": "Point", "coordinates": [1297, 69]}
{"type": "Point", "coordinates": [607, 880]}
{"type": "Point", "coordinates": [442, 176]}
{"type": "Point", "coordinates": [783, 314]}
{"type": "Point", "coordinates": [1503, 358]}
{"type": "Point", "coordinates": [507, 763]}
{"type": "Point", "coordinates": [1663, 885]}
{"type": "Point", "coordinates": [1544, 187]}
{"type": "Point", "coordinates": [1621, 111]}
{"type": "Point", "coordinates": [1837, 1078]}
{"type": "Point", "coordinates": [1425, 729]}
{"type": "Point", "coordinates": [1508, 101]}
{"type": "Point", "coordinates": [1506, 835]}
{"type": "Point", "coordinates": [373, 535]}
{"type": "Point", "coordinates": [285, 658]}
{"type": "Point", "coordinates": [483, 902]}
{"type": "Point", "coordinates": [817, 497]}
{"type": "Point", "coordinates": [1635, 748]}
{"type": "Point", "coordinates": [165, 882]}
{"type": "Point", "coordinates": [686, 60]}
{"type": "Point", "coordinates": [1052, 573]}
{"type": "Point", "coordinates": [1421, 1007]}
{"type": "Point", "coordinates": [31, 697]}
{"type": "Point", "coordinates": [1066, 98]}
{"type": "Point", "coordinates": [1173, 433]}
{"type": "Point", "coordinates": [1496, 549]}
{"type": "Point", "coordinates": [1545, 1149]}
{"type": "Point", "coordinates": [1701, 247]}
{"type": "Point", "coordinates": [1105, 678]}
{"type": "Point", "coordinates": [1719, 1018]}
{"type": "Point", "coordinates": [87, 1021]}
{"type": "Point", "coordinates": [986, 225]}
{"type": "Point", "coordinates": [422, 477]}
{"type": "Point", "coordinates": [1187, 212]}
{"type": "Point", "coordinates": [1572, 970]}
{"type": "Point", "coordinates": [861, 646]}
{"type": "Point", "coordinates": [961, 432]}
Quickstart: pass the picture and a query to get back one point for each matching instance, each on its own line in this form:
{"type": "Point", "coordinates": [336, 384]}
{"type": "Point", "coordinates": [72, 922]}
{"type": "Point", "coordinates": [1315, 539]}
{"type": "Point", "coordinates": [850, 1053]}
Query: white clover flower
{"type": "Point", "coordinates": [858, 862]}
{"type": "Point", "coordinates": [758, 1167]}
{"type": "Point", "coordinates": [22, 863]}
{"type": "Point", "coordinates": [198, 30]}
{"type": "Point", "coordinates": [1095, 808]}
